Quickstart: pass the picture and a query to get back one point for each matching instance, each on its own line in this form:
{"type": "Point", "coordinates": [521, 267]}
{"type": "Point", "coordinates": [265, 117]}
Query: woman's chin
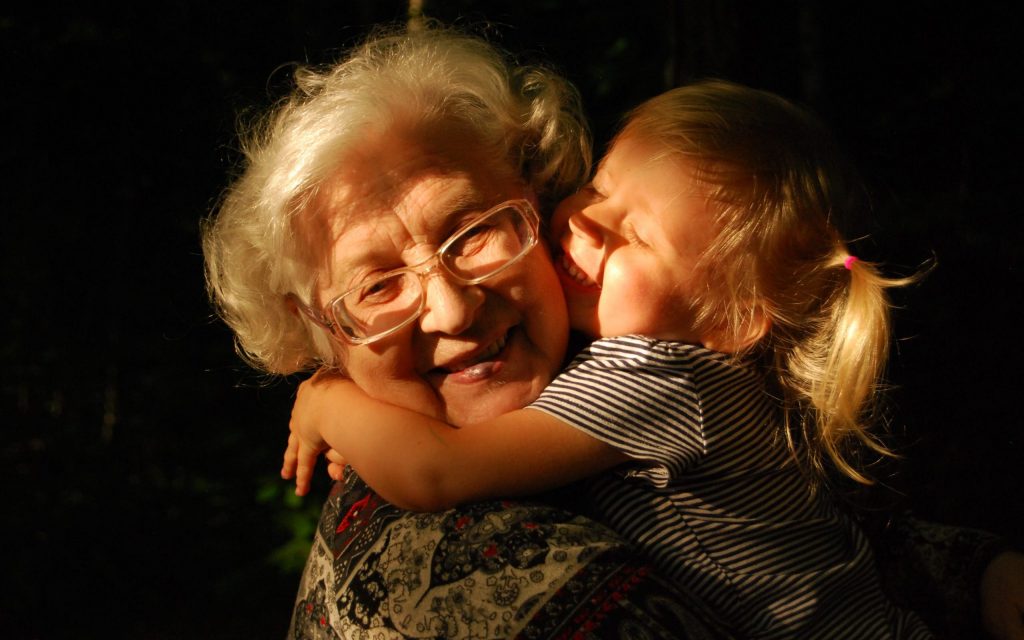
{"type": "Point", "coordinates": [500, 399]}
{"type": "Point", "coordinates": [513, 380]}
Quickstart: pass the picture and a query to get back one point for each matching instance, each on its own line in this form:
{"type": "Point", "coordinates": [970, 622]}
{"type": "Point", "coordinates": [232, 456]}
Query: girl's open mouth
{"type": "Point", "coordinates": [572, 275]}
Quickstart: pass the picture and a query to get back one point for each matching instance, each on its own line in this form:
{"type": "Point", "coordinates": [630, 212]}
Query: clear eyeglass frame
{"type": "Point", "coordinates": [333, 318]}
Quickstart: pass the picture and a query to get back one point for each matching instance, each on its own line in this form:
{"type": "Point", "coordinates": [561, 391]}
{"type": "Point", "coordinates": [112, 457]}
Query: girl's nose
{"type": "Point", "coordinates": [449, 307]}
{"type": "Point", "coordinates": [585, 228]}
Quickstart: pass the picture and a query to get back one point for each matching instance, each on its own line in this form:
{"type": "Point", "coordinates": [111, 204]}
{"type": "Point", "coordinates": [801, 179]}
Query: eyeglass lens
{"type": "Point", "coordinates": [473, 254]}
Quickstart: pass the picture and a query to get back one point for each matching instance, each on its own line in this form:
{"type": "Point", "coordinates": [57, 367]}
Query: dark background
{"type": "Point", "coordinates": [139, 456]}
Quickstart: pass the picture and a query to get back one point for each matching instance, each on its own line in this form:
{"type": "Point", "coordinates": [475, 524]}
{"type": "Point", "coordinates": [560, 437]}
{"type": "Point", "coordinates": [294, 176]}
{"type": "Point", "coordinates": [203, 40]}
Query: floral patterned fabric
{"type": "Point", "coordinates": [503, 569]}
{"type": "Point", "coordinates": [494, 569]}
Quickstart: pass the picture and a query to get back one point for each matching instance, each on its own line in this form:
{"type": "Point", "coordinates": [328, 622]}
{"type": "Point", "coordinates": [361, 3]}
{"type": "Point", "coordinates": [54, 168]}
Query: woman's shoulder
{"type": "Point", "coordinates": [554, 564]}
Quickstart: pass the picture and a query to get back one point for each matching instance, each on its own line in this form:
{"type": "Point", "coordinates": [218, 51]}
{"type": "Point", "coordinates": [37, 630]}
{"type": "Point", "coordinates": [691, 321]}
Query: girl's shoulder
{"type": "Point", "coordinates": [643, 347]}
{"type": "Point", "coordinates": [678, 360]}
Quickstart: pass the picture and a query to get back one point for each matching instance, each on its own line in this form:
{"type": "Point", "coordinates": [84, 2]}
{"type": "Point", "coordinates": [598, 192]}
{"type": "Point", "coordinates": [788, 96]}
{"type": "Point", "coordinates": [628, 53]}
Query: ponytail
{"type": "Point", "coordinates": [832, 375]}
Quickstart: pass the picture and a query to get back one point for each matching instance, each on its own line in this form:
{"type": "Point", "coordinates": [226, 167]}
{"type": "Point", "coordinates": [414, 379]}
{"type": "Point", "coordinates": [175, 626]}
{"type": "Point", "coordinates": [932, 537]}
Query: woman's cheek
{"type": "Point", "coordinates": [386, 371]}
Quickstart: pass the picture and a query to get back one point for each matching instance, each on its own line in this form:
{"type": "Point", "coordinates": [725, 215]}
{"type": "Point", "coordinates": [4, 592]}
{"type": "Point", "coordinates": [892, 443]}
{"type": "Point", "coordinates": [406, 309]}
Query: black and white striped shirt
{"type": "Point", "coordinates": [713, 498]}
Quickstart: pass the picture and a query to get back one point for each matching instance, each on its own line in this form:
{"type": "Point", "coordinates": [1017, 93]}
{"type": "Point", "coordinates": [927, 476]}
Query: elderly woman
{"type": "Point", "coordinates": [410, 176]}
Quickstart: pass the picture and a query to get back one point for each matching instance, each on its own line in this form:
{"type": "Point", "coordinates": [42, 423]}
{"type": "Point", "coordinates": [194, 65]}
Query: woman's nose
{"type": "Point", "coordinates": [449, 307]}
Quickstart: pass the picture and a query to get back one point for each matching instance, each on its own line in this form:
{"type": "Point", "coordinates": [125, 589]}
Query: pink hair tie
{"type": "Point", "coordinates": [848, 263]}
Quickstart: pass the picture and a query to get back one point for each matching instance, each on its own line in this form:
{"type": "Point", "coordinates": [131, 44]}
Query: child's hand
{"type": "Point", "coordinates": [299, 460]}
{"type": "Point", "coordinates": [303, 470]}
{"type": "Point", "coordinates": [335, 465]}
{"type": "Point", "coordinates": [1002, 596]}
{"type": "Point", "coordinates": [316, 405]}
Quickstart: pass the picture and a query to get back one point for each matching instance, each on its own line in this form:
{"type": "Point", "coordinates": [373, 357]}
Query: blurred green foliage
{"type": "Point", "coordinates": [297, 516]}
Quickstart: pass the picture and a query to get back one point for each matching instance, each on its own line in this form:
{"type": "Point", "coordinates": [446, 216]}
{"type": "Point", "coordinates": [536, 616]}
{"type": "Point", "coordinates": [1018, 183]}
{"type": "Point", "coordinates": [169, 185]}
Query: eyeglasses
{"type": "Point", "coordinates": [482, 249]}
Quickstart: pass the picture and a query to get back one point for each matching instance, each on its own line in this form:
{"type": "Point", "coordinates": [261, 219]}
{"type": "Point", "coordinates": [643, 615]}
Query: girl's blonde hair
{"type": "Point", "coordinates": [778, 187]}
{"type": "Point", "coordinates": [527, 118]}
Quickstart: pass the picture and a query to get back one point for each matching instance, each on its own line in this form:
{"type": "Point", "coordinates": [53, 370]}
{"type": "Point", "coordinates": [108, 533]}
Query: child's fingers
{"type": "Point", "coordinates": [302, 481]}
{"type": "Point", "coordinates": [336, 471]}
{"type": "Point", "coordinates": [299, 461]}
{"type": "Point", "coordinates": [291, 454]}
{"type": "Point", "coordinates": [336, 465]}
{"type": "Point", "coordinates": [304, 469]}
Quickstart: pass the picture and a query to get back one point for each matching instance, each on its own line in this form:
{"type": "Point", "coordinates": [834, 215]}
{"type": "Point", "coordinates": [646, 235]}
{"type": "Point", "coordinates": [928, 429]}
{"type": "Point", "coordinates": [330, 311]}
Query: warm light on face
{"type": "Point", "coordinates": [436, 262]}
{"type": "Point", "coordinates": [631, 241]}
{"type": "Point", "coordinates": [382, 305]}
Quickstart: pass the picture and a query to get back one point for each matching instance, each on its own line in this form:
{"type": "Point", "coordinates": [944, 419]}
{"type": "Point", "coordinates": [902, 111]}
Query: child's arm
{"type": "Point", "coordinates": [1002, 596]}
{"type": "Point", "coordinates": [423, 464]}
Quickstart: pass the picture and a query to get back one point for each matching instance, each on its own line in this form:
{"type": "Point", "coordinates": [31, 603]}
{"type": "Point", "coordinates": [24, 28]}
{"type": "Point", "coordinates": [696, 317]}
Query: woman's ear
{"type": "Point", "coordinates": [723, 340]}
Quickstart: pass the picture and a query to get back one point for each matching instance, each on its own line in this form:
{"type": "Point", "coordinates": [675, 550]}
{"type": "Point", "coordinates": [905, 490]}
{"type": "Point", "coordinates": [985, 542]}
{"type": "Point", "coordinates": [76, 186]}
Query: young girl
{"type": "Point", "coordinates": [741, 346]}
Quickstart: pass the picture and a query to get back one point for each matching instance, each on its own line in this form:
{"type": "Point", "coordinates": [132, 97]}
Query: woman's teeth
{"type": "Point", "coordinates": [494, 349]}
{"type": "Point", "coordinates": [489, 353]}
{"type": "Point", "coordinates": [575, 273]}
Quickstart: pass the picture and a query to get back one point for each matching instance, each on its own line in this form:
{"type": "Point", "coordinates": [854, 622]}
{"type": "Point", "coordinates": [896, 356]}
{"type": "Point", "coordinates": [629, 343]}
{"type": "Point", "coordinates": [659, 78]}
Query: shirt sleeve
{"type": "Point", "coordinates": [646, 408]}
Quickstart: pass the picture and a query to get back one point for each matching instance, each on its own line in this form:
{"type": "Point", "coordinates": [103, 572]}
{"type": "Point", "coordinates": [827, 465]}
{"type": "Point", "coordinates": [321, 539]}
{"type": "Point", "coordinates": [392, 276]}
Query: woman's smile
{"type": "Point", "coordinates": [478, 364]}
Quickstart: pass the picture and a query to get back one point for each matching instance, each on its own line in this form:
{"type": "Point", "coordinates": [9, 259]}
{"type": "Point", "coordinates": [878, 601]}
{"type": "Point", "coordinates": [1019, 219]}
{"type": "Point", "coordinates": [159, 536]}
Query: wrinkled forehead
{"type": "Point", "coordinates": [395, 191]}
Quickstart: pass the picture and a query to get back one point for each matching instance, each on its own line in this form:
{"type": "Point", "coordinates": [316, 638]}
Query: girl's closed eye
{"type": "Point", "coordinates": [593, 191]}
{"type": "Point", "coordinates": [633, 236]}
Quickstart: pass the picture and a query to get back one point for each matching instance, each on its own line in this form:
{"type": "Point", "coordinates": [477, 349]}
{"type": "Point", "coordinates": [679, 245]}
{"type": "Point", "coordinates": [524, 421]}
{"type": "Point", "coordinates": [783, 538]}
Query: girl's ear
{"type": "Point", "coordinates": [725, 341]}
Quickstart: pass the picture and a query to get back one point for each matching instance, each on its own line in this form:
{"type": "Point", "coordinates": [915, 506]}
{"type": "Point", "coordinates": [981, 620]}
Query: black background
{"type": "Point", "coordinates": [139, 456]}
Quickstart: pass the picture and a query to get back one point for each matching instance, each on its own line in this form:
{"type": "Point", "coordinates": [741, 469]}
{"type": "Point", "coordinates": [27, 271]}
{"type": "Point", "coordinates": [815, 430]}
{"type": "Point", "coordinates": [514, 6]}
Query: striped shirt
{"type": "Point", "coordinates": [713, 497]}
